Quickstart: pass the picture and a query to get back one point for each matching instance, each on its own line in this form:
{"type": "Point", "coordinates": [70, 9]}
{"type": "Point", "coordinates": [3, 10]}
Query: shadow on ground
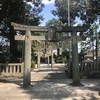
{"type": "Point", "coordinates": [54, 89]}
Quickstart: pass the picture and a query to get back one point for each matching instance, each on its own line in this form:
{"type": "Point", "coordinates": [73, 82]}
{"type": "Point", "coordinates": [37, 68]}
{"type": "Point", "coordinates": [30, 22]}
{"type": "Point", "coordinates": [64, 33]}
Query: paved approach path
{"type": "Point", "coordinates": [49, 84]}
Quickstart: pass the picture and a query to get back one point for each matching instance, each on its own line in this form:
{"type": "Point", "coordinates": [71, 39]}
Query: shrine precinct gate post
{"type": "Point", "coordinates": [75, 59]}
{"type": "Point", "coordinates": [27, 56]}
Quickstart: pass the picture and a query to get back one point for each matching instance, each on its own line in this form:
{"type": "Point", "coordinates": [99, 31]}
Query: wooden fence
{"type": "Point", "coordinates": [11, 69]}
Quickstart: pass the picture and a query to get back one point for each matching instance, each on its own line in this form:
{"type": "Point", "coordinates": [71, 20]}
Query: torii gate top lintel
{"type": "Point", "coordinates": [31, 28]}
{"type": "Point", "coordinates": [46, 29]}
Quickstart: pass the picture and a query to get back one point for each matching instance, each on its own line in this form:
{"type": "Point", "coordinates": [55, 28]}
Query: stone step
{"type": "Point", "coordinates": [83, 98]}
{"type": "Point", "coordinates": [58, 95]}
{"type": "Point", "coordinates": [48, 70]}
{"type": "Point", "coordinates": [15, 98]}
{"type": "Point", "coordinates": [52, 74]}
{"type": "Point", "coordinates": [95, 97]}
{"type": "Point", "coordinates": [49, 75]}
{"type": "Point", "coordinates": [33, 78]}
{"type": "Point", "coordinates": [49, 96]}
{"type": "Point", "coordinates": [48, 78]}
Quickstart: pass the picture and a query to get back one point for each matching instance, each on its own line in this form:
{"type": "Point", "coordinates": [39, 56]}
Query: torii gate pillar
{"type": "Point", "coordinates": [75, 62]}
{"type": "Point", "coordinates": [51, 58]}
{"type": "Point", "coordinates": [27, 59]}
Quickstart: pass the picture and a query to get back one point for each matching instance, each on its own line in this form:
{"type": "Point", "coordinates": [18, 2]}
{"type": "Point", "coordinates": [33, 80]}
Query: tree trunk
{"type": "Point", "coordinates": [4, 7]}
{"type": "Point", "coordinates": [58, 51]}
{"type": "Point", "coordinates": [13, 43]}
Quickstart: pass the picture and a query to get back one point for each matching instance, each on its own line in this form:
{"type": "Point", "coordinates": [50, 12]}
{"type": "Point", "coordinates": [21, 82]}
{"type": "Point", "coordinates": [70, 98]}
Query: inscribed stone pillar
{"type": "Point", "coordinates": [51, 58]}
{"type": "Point", "coordinates": [38, 60]}
{"type": "Point", "coordinates": [48, 60]}
{"type": "Point", "coordinates": [7, 69]}
{"type": "Point", "coordinates": [27, 59]}
{"type": "Point", "coordinates": [75, 61]}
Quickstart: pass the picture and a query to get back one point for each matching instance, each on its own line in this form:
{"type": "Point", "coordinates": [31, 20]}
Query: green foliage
{"type": "Point", "coordinates": [4, 57]}
{"type": "Point", "coordinates": [54, 22]}
{"type": "Point", "coordinates": [65, 53]}
{"type": "Point", "coordinates": [62, 11]}
{"type": "Point", "coordinates": [59, 59]}
{"type": "Point", "coordinates": [63, 57]}
{"type": "Point", "coordinates": [20, 12]}
{"type": "Point", "coordinates": [87, 10]}
{"type": "Point", "coordinates": [90, 11]}
{"type": "Point", "coordinates": [92, 35]}
{"type": "Point", "coordinates": [33, 64]}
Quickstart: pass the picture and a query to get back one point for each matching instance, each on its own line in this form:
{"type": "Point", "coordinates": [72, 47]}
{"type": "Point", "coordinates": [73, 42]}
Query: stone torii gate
{"type": "Point", "coordinates": [39, 54]}
{"type": "Point", "coordinates": [75, 59]}
{"type": "Point", "coordinates": [27, 56]}
{"type": "Point", "coordinates": [28, 38]}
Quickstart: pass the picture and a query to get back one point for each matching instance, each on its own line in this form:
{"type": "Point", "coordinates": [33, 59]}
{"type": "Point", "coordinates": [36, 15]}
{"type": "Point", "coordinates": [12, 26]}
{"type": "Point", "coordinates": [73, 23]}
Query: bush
{"type": "Point", "coordinates": [59, 59]}
{"type": "Point", "coordinates": [32, 64]}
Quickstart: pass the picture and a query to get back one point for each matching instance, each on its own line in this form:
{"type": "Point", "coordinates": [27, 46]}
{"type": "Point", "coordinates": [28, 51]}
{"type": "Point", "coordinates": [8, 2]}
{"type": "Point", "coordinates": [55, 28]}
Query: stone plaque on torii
{"type": "Point", "coordinates": [28, 38]}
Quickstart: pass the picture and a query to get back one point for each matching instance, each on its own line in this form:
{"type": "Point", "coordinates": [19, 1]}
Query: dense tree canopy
{"type": "Point", "coordinates": [19, 11]}
{"type": "Point", "coordinates": [90, 11]}
{"type": "Point", "coordinates": [87, 10]}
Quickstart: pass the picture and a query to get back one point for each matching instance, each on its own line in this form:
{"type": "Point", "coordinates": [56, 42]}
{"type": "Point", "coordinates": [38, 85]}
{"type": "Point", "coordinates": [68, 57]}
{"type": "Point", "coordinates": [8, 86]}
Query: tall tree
{"type": "Point", "coordinates": [62, 10]}
{"type": "Point", "coordinates": [22, 13]}
{"type": "Point", "coordinates": [87, 10]}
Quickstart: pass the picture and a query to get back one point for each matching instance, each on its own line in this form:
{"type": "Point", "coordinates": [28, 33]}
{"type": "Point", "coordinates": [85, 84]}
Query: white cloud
{"type": "Point", "coordinates": [46, 2]}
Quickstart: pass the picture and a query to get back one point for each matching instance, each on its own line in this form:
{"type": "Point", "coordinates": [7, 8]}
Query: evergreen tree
{"type": "Point", "coordinates": [19, 12]}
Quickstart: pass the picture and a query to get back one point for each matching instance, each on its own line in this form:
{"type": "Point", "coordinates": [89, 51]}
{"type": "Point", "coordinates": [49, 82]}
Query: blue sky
{"type": "Point", "coordinates": [49, 5]}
